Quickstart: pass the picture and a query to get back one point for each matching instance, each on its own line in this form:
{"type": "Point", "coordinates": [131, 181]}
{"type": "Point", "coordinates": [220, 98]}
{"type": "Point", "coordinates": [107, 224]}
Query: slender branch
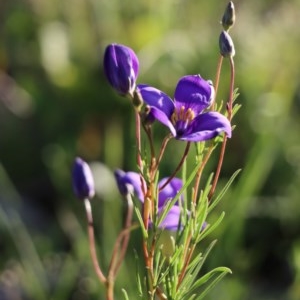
{"type": "Point", "coordinates": [186, 264]}
{"type": "Point", "coordinates": [217, 80]}
{"type": "Point", "coordinates": [110, 289]}
{"type": "Point", "coordinates": [229, 108]}
{"type": "Point", "coordinates": [138, 140]}
{"type": "Point", "coordinates": [199, 173]}
{"type": "Point", "coordinates": [186, 151]}
{"type": "Point", "coordinates": [125, 233]}
{"type": "Point", "coordinates": [92, 246]}
{"type": "Point", "coordinates": [232, 75]}
{"type": "Point", "coordinates": [150, 138]}
{"type": "Point", "coordinates": [162, 149]}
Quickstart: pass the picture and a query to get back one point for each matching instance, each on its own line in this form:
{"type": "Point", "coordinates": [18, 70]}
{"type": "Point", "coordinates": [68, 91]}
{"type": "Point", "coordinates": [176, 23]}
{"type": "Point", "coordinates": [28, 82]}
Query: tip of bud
{"type": "Point", "coordinates": [226, 45]}
{"type": "Point", "coordinates": [228, 18]}
{"type": "Point", "coordinates": [82, 180]}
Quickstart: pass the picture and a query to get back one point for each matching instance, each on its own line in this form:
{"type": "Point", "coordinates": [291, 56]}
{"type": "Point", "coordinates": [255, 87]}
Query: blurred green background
{"type": "Point", "coordinates": [56, 104]}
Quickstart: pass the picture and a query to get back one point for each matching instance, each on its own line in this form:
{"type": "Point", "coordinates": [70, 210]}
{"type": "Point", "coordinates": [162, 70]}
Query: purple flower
{"type": "Point", "coordinates": [185, 116]}
{"type": "Point", "coordinates": [130, 182]}
{"type": "Point", "coordinates": [82, 179]}
{"type": "Point", "coordinates": [121, 67]}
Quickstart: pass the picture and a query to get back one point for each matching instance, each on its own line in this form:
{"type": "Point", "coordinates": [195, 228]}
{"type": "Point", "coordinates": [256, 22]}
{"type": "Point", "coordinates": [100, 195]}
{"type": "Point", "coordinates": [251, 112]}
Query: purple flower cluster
{"type": "Point", "coordinates": [186, 115]}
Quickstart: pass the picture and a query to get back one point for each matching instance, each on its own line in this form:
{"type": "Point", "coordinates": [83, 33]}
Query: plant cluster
{"type": "Point", "coordinates": [172, 212]}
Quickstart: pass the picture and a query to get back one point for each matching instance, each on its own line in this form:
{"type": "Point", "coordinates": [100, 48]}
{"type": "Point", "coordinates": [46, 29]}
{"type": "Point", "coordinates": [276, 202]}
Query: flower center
{"type": "Point", "coordinates": [181, 118]}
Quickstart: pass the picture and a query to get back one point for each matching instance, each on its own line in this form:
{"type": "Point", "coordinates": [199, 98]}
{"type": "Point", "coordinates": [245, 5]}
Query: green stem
{"type": "Point", "coordinates": [138, 139]}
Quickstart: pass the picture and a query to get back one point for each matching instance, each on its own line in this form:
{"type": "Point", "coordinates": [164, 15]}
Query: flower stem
{"type": "Point", "coordinates": [110, 289]}
{"type": "Point", "coordinates": [217, 80]}
{"type": "Point", "coordinates": [232, 75]}
{"type": "Point", "coordinates": [162, 150]}
{"type": "Point", "coordinates": [186, 151]}
{"type": "Point", "coordinates": [229, 109]}
{"type": "Point", "coordinates": [186, 264]}
{"type": "Point", "coordinates": [188, 250]}
{"type": "Point", "coordinates": [150, 138]}
{"type": "Point", "coordinates": [199, 173]}
{"type": "Point", "coordinates": [92, 246]}
{"type": "Point", "coordinates": [138, 140]}
{"type": "Point", "coordinates": [124, 238]}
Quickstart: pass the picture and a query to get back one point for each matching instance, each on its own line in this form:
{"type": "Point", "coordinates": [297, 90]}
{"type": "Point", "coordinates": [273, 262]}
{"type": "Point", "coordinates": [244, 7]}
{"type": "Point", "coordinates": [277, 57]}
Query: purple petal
{"type": "Point", "coordinates": [206, 126]}
{"type": "Point", "coordinates": [169, 191]}
{"type": "Point", "coordinates": [129, 182]}
{"type": "Point", "coordinates": [161, 105]}
{"type": "Point", "coordinates": [162, 118]}
{"type": "Point", "coordinates": [156, 98]}
{"type": "Point", "coordinates": [193, 92]}
{"type": "Point", "coordinates": [121, 68]}
{"type": "Point", "coordinates": [82, 180]}
{"type": "Point", "coordinates": [172, 219]}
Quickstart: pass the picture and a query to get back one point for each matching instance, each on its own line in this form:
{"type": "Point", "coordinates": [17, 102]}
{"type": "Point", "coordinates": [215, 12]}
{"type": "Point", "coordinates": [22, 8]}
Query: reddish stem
{"type": "Point", "coordinates": [222, 153]}
{"type": "Point", "coordinates": [92, 246]}
{"type": "Point", "coordinates": [186, 151]}
{"type": "Point", "coordinates": [162, 150]}
{"type": "Point", "coordinates": [124, 237]}
{"type": "Point", "coordinates": [217, 80]}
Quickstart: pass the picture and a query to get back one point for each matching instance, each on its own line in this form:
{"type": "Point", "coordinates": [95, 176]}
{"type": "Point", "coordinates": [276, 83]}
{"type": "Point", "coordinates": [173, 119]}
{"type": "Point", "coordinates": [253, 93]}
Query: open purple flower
{"type": "Point", "coordinates": [82, 180]}
{"type": "Point", "coordinates": [185, 116]}
{"type": "Point", "coordinates": [130, 182]}
{"type": "Point", "coordinates": [121, 67]}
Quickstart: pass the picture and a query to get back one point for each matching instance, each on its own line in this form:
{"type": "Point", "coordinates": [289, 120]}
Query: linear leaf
{"type": "Point", "coordinates": [224, 190]}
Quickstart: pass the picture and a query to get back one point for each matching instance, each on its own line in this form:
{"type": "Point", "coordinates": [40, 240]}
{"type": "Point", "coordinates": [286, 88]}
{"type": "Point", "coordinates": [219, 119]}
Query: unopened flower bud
{"type": "Point", "coordinates": [82, 179]}
{"type": "Point", "coordinates": [229, 16]}
{"type": "Point", "coordinates": [121, 67]}
{"type": "Point", "coordinates": [226, 45]}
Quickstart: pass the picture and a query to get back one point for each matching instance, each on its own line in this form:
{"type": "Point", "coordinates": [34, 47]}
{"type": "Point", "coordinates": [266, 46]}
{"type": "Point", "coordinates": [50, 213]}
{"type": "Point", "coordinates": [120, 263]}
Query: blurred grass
{"type": "Point", "coordinates": [56, 103]}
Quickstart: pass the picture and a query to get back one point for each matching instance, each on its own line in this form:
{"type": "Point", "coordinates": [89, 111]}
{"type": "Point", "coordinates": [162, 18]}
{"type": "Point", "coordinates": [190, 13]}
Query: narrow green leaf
{"type": "Point", "coordinates": [138, 278]}
{"type": "Point", "coordinates": [208, 275]}
{"type": "Point", "coordinates": [139, 216]}
{"type": "Point", "coordinates": [223, 191]}
{"type": "Point", "coordinates": [209, 229]}
{"type": "Point", "coordinates": [214, 282]}
{"type": "Point", "coordinates": [193, 271]}
{"type": "Point", "coordinates": [125, 294]}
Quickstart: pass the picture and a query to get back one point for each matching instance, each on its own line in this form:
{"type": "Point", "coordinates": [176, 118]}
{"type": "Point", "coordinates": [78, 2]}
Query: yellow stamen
{"type": "Point", "coordinates": [183, 115]}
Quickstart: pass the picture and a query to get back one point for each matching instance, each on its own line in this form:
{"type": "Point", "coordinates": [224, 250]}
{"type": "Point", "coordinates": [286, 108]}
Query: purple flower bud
{"type": "Point", "coordinates": [130, 183]}
{"type": "Point", "coordinates": [82, 179]}
{"type": "Point", "coordinates": [229, 16]}
{"type": "Point", "coordinates": [121, 68]}
{"type": "Point", "coordinates": [226, 45]}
